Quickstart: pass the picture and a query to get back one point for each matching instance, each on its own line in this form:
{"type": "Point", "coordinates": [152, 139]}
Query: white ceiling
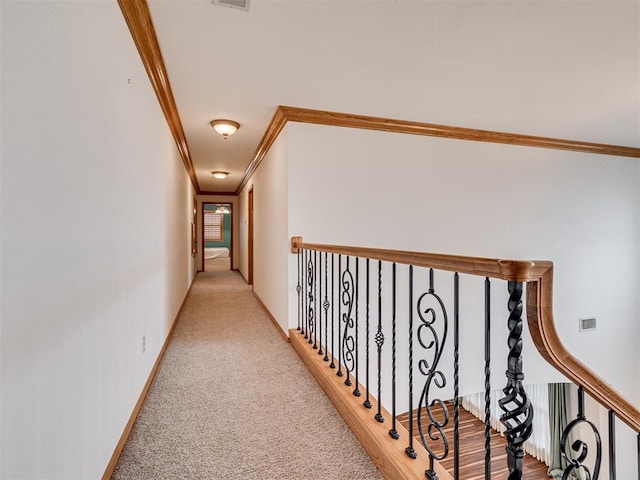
{"type": "Point", "coordinates": [563, 69]}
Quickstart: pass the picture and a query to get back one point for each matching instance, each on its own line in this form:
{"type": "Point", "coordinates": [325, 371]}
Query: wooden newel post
{"type": "Point", "coordinates": [295, 244]}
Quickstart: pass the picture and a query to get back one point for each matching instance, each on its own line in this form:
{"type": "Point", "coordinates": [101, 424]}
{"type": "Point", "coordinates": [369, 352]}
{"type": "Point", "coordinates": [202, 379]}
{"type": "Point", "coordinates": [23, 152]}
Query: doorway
{"type": "Point", "coordinates": [217, 236]}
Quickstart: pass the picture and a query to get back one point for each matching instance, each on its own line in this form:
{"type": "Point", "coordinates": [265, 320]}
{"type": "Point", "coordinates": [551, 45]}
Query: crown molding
{"type": "Point", "coordinates": [136, 14]}
{"type": "Point", "coordinates": [303, 115]}
{"type": "Point", "coordinates": [276, 125]}
{"type": "Point", "coordinates": [286, 114]}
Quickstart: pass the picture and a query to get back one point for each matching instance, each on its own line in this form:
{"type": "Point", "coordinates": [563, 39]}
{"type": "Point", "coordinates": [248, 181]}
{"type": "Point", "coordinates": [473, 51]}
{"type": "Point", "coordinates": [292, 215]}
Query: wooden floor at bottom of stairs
{"type": "Point", "coordinates": [472, 454]}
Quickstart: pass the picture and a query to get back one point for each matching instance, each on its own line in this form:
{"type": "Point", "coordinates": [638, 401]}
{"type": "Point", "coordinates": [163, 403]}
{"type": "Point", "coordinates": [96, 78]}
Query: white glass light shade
{"type": "Point", "coordinates": [225, 127]}
{"type": "Point", "coordinates": [220, 174]}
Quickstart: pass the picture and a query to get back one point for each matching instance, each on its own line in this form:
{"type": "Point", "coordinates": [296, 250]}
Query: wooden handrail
{"type": "Point", "coordinates": [545, 337]}
{"type": "Point", "coordinates": [539, 278]}
{"type": "Point", "coordinates": [510, 270]}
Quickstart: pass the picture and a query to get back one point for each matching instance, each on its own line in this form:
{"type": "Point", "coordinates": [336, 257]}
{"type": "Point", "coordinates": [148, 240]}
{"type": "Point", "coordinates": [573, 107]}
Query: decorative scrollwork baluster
{"type": "Point", "coordinates": [305, 298]}
{"type": "Point", "coordinates": [348, 341]}
{"type": "Point", "coordinates": [429, 306]}
{"type": "Point", "coordinates": [311, 292]}
{"type": "Point", "coordinates": [579, 447]}
{"type": "Point", "coordinates": [518, 412]}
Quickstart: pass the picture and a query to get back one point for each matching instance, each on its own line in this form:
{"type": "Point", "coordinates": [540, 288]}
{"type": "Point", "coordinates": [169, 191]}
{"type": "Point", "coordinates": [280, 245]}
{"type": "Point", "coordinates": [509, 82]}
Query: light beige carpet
{"type": "Point", "coordinates": [232, 400]}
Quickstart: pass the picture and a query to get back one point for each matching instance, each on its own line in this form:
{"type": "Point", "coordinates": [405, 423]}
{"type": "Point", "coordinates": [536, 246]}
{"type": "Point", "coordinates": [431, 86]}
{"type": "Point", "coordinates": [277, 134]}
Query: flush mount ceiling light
{"type": "Point", "coordinates": [223, 209]}
{"type": "Point", "coordinates": [219, 174]}
{"type": "Point", "coordinates": [225, 127]}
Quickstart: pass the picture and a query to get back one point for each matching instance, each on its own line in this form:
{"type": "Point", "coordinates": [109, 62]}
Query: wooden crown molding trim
{"type": "Point", "coordinates": [136, 14]}
{"type": "Point", "coordinates": [286, 114]}
{"type": "Point", "coordinates": [304, 115]}
{"type": "Point", "coordinates": [273, 130]}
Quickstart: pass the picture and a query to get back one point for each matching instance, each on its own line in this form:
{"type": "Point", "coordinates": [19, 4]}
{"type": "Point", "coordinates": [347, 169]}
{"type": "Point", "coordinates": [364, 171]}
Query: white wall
{"type": "Point", "coordinates": [271, 243]}
{"type": "Point", "coordinates": [95, 236]}
{"type": "Point", "coordinates": [235, 226]}
{"type": "Point", "coordinates": [356, 187]}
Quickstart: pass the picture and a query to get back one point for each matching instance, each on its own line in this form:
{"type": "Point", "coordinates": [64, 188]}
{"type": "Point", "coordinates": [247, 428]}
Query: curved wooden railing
{"type": "Point", "coordinates": [538, 276]}
{"type": "Point", "coordinates": [544, 334]}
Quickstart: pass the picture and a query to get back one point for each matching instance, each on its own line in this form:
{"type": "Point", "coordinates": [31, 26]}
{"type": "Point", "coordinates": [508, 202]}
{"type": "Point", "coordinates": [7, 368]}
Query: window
{"type": "Point", "coordinates": [213, 226]}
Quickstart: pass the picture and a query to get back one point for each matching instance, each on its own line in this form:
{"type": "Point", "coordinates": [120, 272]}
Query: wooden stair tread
{"type": "Point", "coordinates": [472, 453]}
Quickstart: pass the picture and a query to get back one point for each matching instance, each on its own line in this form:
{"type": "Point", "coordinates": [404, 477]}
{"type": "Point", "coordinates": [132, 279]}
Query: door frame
{"type": "Point", "coordinates": [230, 205]}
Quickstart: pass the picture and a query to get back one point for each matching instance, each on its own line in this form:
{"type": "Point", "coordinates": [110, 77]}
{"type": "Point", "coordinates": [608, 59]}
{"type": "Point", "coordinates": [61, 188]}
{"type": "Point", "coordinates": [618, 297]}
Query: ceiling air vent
{"type": "Point", "coordinates": [237, 4]}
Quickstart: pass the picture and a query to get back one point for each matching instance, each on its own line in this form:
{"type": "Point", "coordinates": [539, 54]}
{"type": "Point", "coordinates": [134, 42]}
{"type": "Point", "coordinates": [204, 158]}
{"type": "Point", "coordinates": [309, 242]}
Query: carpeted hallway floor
{"type": "Point", "coordinates": [231, 400]}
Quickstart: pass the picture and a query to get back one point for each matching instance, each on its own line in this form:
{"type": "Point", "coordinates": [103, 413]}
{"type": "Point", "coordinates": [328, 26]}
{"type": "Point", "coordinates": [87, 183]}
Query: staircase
{"type": "Point", "coordinates": [472, 451]}
{"type": "Point", "coordinates": [380, 330]}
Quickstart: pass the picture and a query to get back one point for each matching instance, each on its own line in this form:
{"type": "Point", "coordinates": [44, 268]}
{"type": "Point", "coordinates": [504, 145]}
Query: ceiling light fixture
{"type": "Point", "coordinates": [223, 209]}
{"type": "Point", "coordinates": [219, 174]}
{"type": "Point", "coordinates": [225, 127]}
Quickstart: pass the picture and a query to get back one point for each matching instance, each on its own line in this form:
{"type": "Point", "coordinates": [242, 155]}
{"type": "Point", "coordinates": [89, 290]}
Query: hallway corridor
{"type": "Point", "coordinates": [232, 400]}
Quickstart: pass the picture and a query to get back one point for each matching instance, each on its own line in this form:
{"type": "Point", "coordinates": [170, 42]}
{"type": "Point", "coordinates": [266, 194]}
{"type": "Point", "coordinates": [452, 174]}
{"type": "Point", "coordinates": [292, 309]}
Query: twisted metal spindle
{"type": "Point", "coordinates": [367, 401]}
{"type": "Point", "coordinates": [333, 301]}
{"type": "Point", "coordinates": [298, 290]}
{"type": "Point", "coordinates": [317, 314]}
{"type": "Point", "coordinates": [518, 412]}
{"type": "Point", "coordinates": [379, 342]}
{"type": "Point", "coordinates": [325, 305]}
{"type": "Point", "coordinates": [487, 379]}
{"type": "Point", "coordinates": [410, 451]}
{"type": "Point", "coordinates": [393, 432]}
{"type": "Point", "coordinates": [456, 375]}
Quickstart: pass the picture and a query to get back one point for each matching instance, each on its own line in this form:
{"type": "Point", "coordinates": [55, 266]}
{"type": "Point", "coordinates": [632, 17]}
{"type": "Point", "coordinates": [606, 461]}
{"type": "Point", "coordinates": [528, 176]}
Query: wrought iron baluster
{"type": "Point", "coordinates": [311, 282]}
{"type": "Point", "coordinates": [333, 301]}
{"type": "Point", "coordinates": [320, 352]}
{"type": "Point", "coordinates": [379, 342]}
{"type": "Point", "coordinates": [305, 298]}
{"type": "Point", "coordinates": [348, 342]}
{"type": "Point", "coordinates": [456, 375]}
{"type": "Point", "coordinates": [356, 390]}
{"type": "Point", "coordinates": [299, 290]}
{"type": "Point", "coordinates": [393, 432]}
{"type": "Point", "coordinates": [316, 312]}
{"type": "Point", "coordinates": [638, 455]}
{"type": "Point", "coordinates": [518, 412]}
{"type": "Point", "coordinates": [325, 305]}
{"type": "Point", "coordinates": [612, 445]}
{"type": "Point", "coordinates": [339, 372]}
{"type": "Point", "coordinates": [428, 307]}
{"type": "Point", "coordinates": [487, 379]}
{"type": "Point", "coordinates": [367, 401]}
{"type": "Point", "coordinates": [580, 446]}
{"type": "Point", "coordinates": [410, 451]}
